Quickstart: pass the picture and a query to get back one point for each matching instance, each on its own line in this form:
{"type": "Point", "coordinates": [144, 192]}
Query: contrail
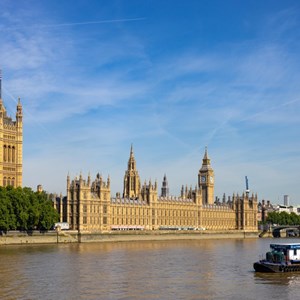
{"type": "Point", "coordinates": [93, 22]}
{"type": "Point", "coordinates": [271, 109]}
{"type": "Point", "coordinates": [74, 24]}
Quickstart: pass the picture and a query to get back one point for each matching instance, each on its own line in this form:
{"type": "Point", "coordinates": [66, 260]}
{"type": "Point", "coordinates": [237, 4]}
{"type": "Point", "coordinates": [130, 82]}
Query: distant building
{"type": "Point", "coordinates": [288, 209]}
{"type": "Point", "coordinates": [286, 200]}
{"type": "Point", "coordinates": [263, 209]}
{"type": "Point", "coordinates": [90, 207]}
{"type": "Point", "coordinates": [11, 145]}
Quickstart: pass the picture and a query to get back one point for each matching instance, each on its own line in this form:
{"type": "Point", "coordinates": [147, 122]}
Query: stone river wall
{"type": "Point", "coordinates": [52, 237]}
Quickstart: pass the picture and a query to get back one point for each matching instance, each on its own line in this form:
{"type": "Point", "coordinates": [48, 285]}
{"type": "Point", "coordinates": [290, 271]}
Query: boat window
{"type": "Point", "coordinates": [295, 251]}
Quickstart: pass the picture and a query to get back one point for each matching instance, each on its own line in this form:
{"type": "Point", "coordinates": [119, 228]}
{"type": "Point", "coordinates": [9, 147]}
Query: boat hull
{"type": "Point", "coordinates": [266, 267]}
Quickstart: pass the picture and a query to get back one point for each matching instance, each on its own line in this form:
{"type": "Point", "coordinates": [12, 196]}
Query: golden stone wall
{"type": "Point", "coordinates": [11, 147]}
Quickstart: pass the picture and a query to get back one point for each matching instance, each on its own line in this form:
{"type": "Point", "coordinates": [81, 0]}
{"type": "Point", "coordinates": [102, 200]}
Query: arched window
{"type": "Point", "coordinates": [13, 182]}
{"type": "Point", "coordinates": [8, 181]}
{"type": "Point", "coordinates": [13, 154]}
{"type": "Point", "coordinates": [9, 154]}
{"type": "Point", "coordinates": [5, 153]}
{"type": "Point", "coordinates": [4, 181]}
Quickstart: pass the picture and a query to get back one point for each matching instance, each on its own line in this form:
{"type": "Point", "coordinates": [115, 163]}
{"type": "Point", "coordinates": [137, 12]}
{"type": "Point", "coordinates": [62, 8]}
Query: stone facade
{"type": "Point", "coordinates": [89, 206]}
{"type": "Point", "coordinates": [11, 146]}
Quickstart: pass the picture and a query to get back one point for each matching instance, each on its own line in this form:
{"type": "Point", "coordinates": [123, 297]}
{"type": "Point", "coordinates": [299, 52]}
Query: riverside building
{"type": "Point", "coordinates": [11, 145]}
{"type": "Point", "coordinates": [89, 207]}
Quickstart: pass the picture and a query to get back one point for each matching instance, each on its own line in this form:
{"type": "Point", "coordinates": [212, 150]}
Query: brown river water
{"type": "Point", "coordinates": [199, 269]}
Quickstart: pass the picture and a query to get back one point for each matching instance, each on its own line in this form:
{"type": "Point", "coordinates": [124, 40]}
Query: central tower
{"type": "Point", "coordinates": [132, 184]}
{"type": "Point", "coordinates": [206, 180]}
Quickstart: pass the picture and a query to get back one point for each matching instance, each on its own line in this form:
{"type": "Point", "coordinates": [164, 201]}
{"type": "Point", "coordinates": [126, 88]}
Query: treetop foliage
{"type": "Point", "coordinates": [283, 218]}
{"type": "Point", "coordinates": [24, 209]}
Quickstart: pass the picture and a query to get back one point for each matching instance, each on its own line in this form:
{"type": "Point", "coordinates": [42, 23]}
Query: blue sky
{"type": "Point", "coordinates": [169, 77]}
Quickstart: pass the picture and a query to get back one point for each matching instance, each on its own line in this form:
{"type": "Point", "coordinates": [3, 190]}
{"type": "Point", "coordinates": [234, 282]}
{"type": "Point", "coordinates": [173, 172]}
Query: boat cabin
{"type": "Point", "coordinates": [291, 251]}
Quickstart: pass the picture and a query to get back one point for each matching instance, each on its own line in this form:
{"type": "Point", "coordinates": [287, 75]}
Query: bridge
{"type": "Point", "coordinates": [281, 231]}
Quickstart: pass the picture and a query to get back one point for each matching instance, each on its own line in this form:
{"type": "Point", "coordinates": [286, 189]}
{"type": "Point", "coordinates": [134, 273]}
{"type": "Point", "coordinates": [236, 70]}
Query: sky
{"type": "Point", "coordinates": [169, 77]}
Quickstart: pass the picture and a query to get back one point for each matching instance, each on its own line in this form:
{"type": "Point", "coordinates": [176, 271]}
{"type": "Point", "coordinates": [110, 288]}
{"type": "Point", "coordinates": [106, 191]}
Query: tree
{"type": "Point", "coordinates": [283, 218]}
{"type": "Point", "coordinates": [23, 209]}
{"type": "Point", "coordinates": [7, 217]}
{"type": "Point", "coordinates": [48, 215]}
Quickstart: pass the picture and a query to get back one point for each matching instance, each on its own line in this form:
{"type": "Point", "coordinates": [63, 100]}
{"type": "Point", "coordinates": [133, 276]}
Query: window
{"type": "Point", "coordinates": [5, 153]}
{"type": "Point", "coordinates": [13, 154]}
{"type": "Point", "coordinates": [9, 154]}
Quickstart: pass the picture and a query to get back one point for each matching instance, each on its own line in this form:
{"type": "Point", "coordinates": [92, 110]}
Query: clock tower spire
{"type": "Point", "coordinates": [206, 180]}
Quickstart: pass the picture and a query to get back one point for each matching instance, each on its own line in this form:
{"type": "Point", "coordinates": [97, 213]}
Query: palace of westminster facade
{"type": "Point", "coordinates": [89, 206]}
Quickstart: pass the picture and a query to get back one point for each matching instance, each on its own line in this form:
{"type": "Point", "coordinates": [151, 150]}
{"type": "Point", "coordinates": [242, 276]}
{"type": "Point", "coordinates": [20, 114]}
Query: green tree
{"type": "Point", "coordinates": [273, 217]}
{"type": "Point", "coordinates": [7, 217]}
{"type": "Point", "coordinates": [294, 219]}
{"type": "Point", "coordinates": [23, 209]}
{"type": "Point", "coordinates": [48, 215]}
{"type": "Point", "coordinates": [283, 218]}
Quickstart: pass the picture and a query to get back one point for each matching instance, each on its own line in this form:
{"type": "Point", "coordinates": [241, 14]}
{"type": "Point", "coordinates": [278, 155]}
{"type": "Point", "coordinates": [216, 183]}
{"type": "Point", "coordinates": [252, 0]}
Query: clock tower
{"type": "Point", "coordinates": [206, 180]}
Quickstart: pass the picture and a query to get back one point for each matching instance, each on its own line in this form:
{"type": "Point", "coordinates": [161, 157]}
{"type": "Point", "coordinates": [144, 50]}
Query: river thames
{"type": "Point", "coordinates": [199, 269]}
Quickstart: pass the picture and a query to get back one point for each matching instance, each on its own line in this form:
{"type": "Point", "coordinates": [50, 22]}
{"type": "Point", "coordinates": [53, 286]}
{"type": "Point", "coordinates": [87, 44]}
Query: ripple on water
{"type": "Point", "coordinates": [210, 269]}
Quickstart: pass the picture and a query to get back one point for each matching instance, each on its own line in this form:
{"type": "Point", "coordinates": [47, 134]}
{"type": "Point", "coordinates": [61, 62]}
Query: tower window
{"type": "Point", "coordinates": [9, 154]}
{"type": "Point", "coordinates": [5, 153]}
{"type": "Point", "coordinates": [13, 154]}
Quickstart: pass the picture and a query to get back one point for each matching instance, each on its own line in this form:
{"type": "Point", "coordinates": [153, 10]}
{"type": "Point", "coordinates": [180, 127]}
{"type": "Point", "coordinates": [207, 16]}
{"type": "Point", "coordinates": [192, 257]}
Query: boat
{"type": "Point", "coordinates": [283, 257]}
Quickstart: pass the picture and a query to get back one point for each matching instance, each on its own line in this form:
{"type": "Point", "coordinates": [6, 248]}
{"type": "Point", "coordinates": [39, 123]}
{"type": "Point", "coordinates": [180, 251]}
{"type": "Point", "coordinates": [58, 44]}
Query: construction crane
{"type": "Point", "coordinates": [247, 185]}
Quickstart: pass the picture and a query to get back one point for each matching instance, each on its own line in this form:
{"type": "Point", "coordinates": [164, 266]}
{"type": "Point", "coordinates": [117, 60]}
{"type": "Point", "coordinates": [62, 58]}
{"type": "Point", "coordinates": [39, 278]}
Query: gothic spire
{"type": "Point", "coordinates": [131, 161]}
{"type": "Point", "coordinates": [165, 187]}
{"type": "Point", "coordinates": [206, 161]}
{"type": "Point", "coordinates": [131, 151]}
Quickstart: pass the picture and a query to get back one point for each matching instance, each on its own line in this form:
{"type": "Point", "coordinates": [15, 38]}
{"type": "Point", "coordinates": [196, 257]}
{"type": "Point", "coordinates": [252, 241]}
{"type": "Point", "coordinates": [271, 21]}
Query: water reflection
{"type": "Point", "coordinates": [277, 278]}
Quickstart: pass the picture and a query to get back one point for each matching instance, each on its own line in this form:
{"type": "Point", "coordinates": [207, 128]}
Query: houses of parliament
{"type": "Point", "coordinates": [89, 207]}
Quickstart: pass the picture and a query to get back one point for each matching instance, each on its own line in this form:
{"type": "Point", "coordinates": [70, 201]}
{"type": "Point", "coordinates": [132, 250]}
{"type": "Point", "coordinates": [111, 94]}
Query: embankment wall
{"type": "Point", "coordinates": [17, 238]}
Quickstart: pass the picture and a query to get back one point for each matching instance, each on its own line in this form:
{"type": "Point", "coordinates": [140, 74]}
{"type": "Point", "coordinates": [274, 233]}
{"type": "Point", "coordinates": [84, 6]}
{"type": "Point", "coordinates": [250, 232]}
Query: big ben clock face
{"type": "Point", "coordinates": [211, 179]}
{"type": "Point", "coordinates": [203, 178]}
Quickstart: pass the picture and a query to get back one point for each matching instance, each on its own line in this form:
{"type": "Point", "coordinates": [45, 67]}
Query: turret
{"type": "Point", "coordinates": [19, 113]}
{"type": "Point", "coordinates": [89, 179]}
{"type": "Point", "coordinates": [68, 181]}
{"type": "Point", "coordinates": [165, 187]}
